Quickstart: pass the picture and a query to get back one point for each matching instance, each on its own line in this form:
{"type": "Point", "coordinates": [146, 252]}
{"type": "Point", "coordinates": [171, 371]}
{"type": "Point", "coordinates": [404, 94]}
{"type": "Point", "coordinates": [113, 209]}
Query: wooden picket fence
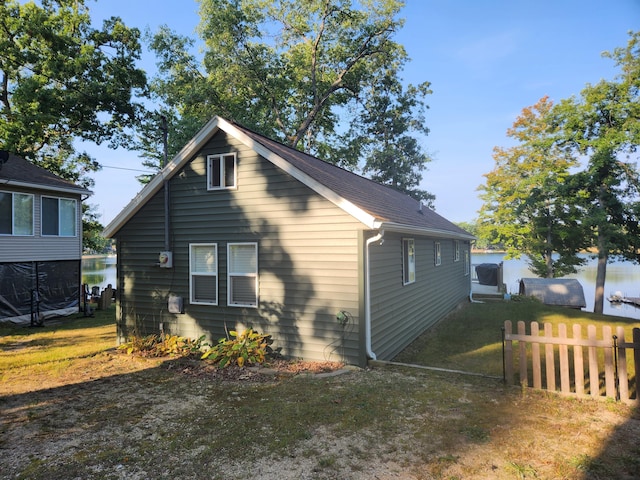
{"type": "Point", "coordinates": [610, 372]}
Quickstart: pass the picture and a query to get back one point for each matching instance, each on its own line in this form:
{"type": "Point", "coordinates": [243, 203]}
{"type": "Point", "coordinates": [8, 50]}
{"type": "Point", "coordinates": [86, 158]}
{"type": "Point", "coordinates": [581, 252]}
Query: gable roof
{"type": "Point", "coordinates": [19, 172]}
{"type": "Point", "coordinates": [376, 206]}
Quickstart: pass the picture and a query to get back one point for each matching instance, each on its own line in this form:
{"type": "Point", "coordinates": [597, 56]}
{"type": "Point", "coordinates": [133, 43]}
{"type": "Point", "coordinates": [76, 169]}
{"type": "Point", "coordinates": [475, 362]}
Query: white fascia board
{"type": "Point", "coordinates": [36, 186]}
{"type": "Point", "coordinates": [431, 232]}
{"type": "Point", "coordinates": [348, 207]}
{"type": "Point", "coordinates": [161, 177]}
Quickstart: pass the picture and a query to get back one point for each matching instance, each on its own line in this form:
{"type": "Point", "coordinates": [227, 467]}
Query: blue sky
{"type": "Point", "coordinates": [486, 61]}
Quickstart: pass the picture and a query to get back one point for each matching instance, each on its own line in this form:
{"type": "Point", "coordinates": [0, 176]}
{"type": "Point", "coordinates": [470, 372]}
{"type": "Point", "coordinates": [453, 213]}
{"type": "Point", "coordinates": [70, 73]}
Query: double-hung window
{"type": "Point", "coordinates": [242, 272]}
{"type": "Point", "coordinates": [437, 253]}
{"type": "Point", "coordinates": [408, 261]}
{"type": "Point", "coordinates": [221, 171]}
{"type": "Point", "coordinates": [16, 213]}
{"type": "Point", "coordinates": [59, 216]}
{"type": "Point", "coordinates": [203, 273]}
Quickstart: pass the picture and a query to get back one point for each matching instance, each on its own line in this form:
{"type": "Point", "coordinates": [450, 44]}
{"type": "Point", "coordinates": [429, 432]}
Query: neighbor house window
{"type": "Point", "coordinates": [203, 273]}
{"type": "Point", "coordinates": [456, 250]}
{"type": "Point", "coordinates": [16, 213]}
{"type": "Point", "coordinates": [408, 261]}
{"type": "Point", "coordinates": [438, 254]}
{"type": "Point", "coordinates": [59, 216]}
{"type": "Point", "coordinates": [242, 271]}
{"type": "Point", "coordinates": [221, 171]}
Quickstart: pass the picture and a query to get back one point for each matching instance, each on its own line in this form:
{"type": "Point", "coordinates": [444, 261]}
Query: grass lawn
{"type": "Point", "coordinates": [71, 406]}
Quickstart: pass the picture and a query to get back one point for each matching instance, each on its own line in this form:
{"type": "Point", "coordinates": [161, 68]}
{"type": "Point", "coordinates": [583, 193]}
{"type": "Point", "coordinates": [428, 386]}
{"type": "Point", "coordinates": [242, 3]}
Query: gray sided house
{"type": "Point", "coordinates": [40, 242]}
{"type": "Point", "coordinates": [241, 231]}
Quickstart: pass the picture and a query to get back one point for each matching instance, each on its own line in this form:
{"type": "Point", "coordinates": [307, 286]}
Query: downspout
{"type": "Point", "coordinates": [165, 132]}
{"type": "Point", "coordinates": [471, 299]}
{"type": "Point", "coordinates": [367, 293]}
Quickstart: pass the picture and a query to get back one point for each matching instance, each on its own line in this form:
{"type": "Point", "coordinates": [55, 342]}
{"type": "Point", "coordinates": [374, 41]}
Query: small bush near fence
{"type": "Point", "coordinates": [599, 365]}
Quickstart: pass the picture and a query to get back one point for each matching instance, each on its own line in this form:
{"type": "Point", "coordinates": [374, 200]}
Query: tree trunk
{"type": "Point", "coordinates": [601, 275]}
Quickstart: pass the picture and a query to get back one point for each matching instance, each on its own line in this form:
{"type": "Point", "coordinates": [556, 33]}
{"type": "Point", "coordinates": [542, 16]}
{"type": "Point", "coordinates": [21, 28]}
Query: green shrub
{"type": "Point", "coordinates": [245, 348]}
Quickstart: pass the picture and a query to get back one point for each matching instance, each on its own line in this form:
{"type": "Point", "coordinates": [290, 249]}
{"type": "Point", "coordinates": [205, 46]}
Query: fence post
{"type": "Point", "coordinates": [507, 363]}
{"type": "Point", "coordinates": [636, 360]}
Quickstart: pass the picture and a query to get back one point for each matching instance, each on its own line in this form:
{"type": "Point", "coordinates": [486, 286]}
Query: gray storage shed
{"type": "Point", "coordinates": [564, 292]}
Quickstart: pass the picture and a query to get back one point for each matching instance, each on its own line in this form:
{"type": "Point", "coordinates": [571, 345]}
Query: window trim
{"type": "Point", "coordinates": [437, 253]}
{"type": "Point", "coordinates": [408, 267]}
{"type": "Point", "coordinates": [202, 274]}
{"type": "Point", "coordinates": [13, 214]}
{"type": "Point", "coordinates": [221, 157]}
{"type": "Point", "coordinates": [231, 274]}
{"type": "Point", "coordinates": [456, 250]}
{"type": "Point", "coordinates": [60, 216]}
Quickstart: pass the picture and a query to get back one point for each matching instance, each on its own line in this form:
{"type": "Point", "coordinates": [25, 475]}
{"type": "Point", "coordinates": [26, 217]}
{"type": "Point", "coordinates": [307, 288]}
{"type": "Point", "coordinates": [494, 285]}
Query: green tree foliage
{"type": "Point", "coordinates": [63, 80]}
{"type": "Point", "coordinates": [390, 116]}
{"type": "Point", "coordinates": [296, 71]}
{"type": "Point", "coordinates": [525, 207]}
{"type": "Point", "coordinates": [604, 126]}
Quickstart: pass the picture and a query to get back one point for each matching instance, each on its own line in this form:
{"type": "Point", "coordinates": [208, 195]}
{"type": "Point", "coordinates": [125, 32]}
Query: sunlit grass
{"type": "Point", "coordinates": [470, 339]}
{"type": "Point", "coordinates": [64, 339]}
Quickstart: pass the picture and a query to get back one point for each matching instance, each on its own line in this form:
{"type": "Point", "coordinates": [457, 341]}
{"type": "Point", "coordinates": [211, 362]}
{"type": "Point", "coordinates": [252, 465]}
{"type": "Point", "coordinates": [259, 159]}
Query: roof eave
{"type": "Point", "coordinates": [431, 232]}
{"type": "Point", "coordinates": [52, 188]}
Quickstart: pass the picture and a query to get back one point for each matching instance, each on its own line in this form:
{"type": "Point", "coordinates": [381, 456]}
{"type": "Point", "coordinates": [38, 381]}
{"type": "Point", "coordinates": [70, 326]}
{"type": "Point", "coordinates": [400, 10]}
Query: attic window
{"type": "Point", "coordinates": [221, 171]}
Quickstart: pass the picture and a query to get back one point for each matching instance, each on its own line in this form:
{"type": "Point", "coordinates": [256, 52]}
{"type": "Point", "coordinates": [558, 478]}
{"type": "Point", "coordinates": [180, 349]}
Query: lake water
{"type": "Point", "coordinates": [621, 276]}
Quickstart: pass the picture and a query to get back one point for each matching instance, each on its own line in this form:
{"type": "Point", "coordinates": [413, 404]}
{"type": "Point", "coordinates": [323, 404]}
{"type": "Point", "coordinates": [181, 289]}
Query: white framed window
{"type": "Point", "coordinates": [203, 273]}
{"type": "Point", "coordinates": [408, 261]}
{"type": "Point", "coordinates": [456, 250]}
{"type": "Point", "coordinates": [221, 171]}
{"type": "Point", "coordinates": [16, 213]}
{"type": "Point", "coordinates": [59, 216]}
{"type": "Point", "coordinates": [467, 263]}
{"type": "Point", "coordinates": [437, 254]}
{"type": "Point", "coordinates": [242, 274]}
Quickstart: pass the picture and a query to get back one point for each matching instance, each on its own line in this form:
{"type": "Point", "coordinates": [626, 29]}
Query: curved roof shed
{"type": "Point", "coordinates": [564, 292]}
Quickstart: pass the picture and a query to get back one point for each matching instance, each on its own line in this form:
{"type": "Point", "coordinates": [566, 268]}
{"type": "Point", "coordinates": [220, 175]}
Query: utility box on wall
{"type": "Point", "coordinates": [175, 304]}
{"type": "Point", "coordinates": [166, 259]}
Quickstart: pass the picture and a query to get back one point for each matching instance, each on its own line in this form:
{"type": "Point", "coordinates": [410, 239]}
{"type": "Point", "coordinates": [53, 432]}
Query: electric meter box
{"type": "Point", "coordinates": [175, 304]}
{"type": "Point", "coordinates": [166, 259]}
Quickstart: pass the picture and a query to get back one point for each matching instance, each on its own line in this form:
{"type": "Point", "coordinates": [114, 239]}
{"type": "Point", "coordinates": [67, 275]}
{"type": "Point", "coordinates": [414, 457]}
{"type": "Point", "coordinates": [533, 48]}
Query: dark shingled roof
{"type": "Point", "coordinates": [380, 201]}
{"type": "Point", "coordinates": [18, 171]}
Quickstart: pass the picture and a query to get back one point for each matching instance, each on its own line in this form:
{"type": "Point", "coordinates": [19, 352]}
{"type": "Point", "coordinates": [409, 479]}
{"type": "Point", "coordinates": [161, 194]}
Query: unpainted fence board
{"type": "Point", "coordinates": [615, 375]}
{"type": "Point", "coordinates": [623, 380]}
{"type": "Point", "coordinates": [594, 374]}
{"type": "Point", "coordinates": [522, 347]}
{"type": "Point", "coordinates": [535, 356]}
{"type": "Point", "coordinates": [578, 361]}
{"type": "Point", "coordinates": [563, 349]}
{"type": "Point", "coordinates": [549, 358]}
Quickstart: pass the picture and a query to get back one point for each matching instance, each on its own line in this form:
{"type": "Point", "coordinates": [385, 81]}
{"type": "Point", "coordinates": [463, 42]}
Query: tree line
{"type": "Point", "coordinates": [570, 184]}
{"type": "Point", "coordinates": [324, 77]}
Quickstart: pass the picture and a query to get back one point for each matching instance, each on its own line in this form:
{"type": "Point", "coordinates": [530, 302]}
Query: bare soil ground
{"type": "Point", "coordinates": [113, 416]}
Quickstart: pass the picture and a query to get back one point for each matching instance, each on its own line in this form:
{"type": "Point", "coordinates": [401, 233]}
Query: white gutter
{"type": "Point", "coordinates": [367, 294]}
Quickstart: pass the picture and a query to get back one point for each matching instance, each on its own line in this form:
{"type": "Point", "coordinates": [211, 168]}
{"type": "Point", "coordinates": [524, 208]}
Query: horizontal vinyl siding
{"type": "Point", "coordinates": [307, 255]}
{"type": "Point", "coordinates": [401, 312]}
{"type": "Point", "coordinates": [39, 248]}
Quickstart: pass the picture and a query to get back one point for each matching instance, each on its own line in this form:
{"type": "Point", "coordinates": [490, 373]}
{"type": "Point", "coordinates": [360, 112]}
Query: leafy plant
{"type": "Point", "coordinates": [163, 345]}
{"type": "Point", "coordinates": [244, 348]}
